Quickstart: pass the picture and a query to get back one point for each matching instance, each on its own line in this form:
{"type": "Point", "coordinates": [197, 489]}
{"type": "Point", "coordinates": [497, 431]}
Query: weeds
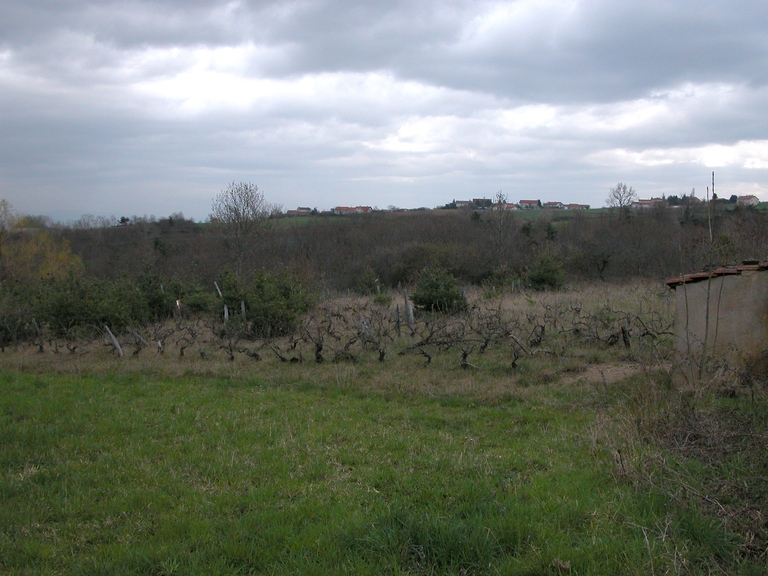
{"type": "Point", "coordinates": [704, 453]}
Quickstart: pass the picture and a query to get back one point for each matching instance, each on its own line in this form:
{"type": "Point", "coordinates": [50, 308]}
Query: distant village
{"type": "Point", "coordinates": [482, 204]}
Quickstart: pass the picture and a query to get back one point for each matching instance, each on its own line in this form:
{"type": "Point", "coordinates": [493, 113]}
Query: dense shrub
{"type": "Point", "coordinates": [546, 273]}
{"type": "Point", "coordinates": [160, 299]}
{"type": "Point", "coordinates": [403, 265]}
{"type": "Point", "coordinates": [75, 303]}
{"type": "Point", "coordinates": [119, 303]}
{"type": "Point", "coordinates": [232, 289]}
{"type": "Point", "coordinates": [16, 313]}
{"type": "Point", "coordinates": [438, 291]}
{"type": "Point", "coordinates": [199, 300]}
{"type": "Point", "coordinates": [368, 283]}
{"type": "Point", "coordinates": [67, 304]}
{"type": "Point", "coordinates": [502, 280]}
{"type": "Point", "coordinates": [88, 303]}
{"type": "Point", "coordinates": [275, 302]}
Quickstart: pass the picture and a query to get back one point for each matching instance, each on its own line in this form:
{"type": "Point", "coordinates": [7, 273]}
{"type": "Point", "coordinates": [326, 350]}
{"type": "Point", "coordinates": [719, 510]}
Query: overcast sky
{"type": "Point", "coordinates": [135, 107]}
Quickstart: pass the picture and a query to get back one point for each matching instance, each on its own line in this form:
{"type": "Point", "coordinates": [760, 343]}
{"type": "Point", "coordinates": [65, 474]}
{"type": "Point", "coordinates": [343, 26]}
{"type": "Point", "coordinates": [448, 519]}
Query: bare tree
{"type": "Point", "coordinates": [621, 196]}
{"type": "Point", "coordinates": [6, 223]}
{"type": "Point", "coordinates": [6, 215]}
{"type": "Point", "coordinates": [504, 228]}
{"type": "Point", "coordinates": [241, 211]}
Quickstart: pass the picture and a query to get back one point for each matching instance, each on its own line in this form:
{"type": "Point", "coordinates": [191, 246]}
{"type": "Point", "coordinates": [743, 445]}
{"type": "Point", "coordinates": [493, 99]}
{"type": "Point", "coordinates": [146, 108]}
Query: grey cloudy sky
{"type": "Point", "coordinates": [131, 107]}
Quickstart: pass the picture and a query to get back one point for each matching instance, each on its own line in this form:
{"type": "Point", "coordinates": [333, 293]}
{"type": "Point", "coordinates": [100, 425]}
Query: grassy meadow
{"type": "Point", "coordinates": [573, 454]}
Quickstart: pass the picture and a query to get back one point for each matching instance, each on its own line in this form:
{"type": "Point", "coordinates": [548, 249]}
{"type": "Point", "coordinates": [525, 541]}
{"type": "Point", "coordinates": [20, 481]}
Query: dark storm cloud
{"type": "Point", "coordinates": [553, 51]}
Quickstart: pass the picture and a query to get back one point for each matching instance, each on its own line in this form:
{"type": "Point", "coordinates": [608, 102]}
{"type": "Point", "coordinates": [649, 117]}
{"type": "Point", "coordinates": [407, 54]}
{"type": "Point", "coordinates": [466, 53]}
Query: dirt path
{"type": "Point", "coordinates": [604, 373]}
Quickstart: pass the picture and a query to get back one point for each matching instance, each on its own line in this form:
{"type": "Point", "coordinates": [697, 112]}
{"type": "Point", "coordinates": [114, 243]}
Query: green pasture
{"type": "Point", "coordinates": [333, 469]}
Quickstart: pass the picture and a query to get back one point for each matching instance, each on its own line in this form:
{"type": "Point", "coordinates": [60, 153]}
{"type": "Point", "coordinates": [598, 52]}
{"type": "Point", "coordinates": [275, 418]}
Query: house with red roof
{"type": "Point", "coordinates": [747, 201]}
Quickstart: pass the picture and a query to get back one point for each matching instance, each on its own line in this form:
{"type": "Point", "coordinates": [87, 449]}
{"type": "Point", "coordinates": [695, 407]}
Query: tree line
{"type": "Point", "coordinates": [143, 269]}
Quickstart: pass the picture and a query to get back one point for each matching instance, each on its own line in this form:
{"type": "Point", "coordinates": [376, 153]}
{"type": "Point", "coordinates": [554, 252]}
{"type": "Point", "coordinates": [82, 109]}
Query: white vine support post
{"type": "Point", "coordinates": [242, 310]}
{"type": "Point", "coordinates": [365, 332]}
{"type": "Point", "coordinates": [138, 336]}
{"type": "Point", "coordinates": [115, 343]}
{"type": "Point", "coordinates": [408, 309]}
{"type": "Point", "coordinates": [226, 310]}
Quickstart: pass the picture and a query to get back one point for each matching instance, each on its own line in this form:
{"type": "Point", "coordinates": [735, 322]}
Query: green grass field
{"type": "Point", "coordinates": [368, 468]}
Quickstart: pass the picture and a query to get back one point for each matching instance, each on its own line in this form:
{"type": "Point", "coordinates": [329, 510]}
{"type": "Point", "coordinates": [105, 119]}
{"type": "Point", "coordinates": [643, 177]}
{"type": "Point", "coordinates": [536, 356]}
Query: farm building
{"type": "Point", "coordinates": [723, 312]}
{"type": "Point", "coordinates": [505, 206]}
{"type": "Point", "coordinates": [747, 201]}
{"type": "Point", "coordinates": [649, 203]}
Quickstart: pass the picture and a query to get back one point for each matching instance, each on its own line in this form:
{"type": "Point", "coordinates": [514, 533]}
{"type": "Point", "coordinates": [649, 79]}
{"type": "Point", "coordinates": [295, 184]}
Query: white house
{"type": "Point", "coordinates": [747, 201]}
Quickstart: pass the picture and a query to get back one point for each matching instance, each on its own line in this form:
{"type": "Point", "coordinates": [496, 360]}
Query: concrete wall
{"type": "Point", "coordinates": [738, 316]}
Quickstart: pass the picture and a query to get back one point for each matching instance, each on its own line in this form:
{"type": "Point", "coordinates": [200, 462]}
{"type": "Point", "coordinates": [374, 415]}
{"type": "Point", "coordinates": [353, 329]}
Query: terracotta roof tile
{"type": "Point", "coordinates": [722, 271]}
